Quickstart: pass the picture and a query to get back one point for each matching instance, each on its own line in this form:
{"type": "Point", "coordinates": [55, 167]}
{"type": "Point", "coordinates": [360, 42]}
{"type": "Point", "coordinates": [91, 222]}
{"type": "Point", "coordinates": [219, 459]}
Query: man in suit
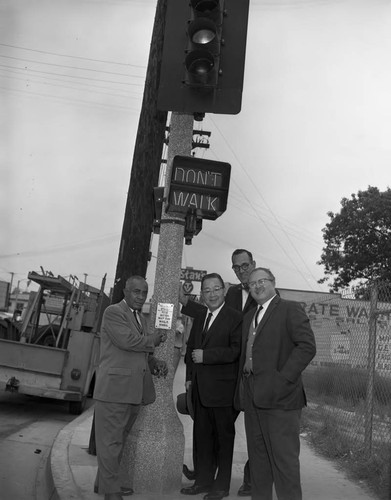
{"type": "Point", "coordinates": [124, 382]}
{"type": "Point", "coordinates": [212, 356]}
{"type": "Point", "coordinates": [239, 298]}
{"type": "Point", "coordinates": [277, 345]}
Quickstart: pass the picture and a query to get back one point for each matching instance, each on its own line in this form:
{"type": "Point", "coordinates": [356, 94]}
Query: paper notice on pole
{"type": "Point", "coordinates": [164, 315]}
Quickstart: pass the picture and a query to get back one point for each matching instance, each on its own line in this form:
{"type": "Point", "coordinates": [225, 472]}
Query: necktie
{"type": "Point", "coordinates": [137, 319]}
{"type": "Point", "coordinates": [257, 315]}
{"type": "Point", "coordinates": [206, 325]}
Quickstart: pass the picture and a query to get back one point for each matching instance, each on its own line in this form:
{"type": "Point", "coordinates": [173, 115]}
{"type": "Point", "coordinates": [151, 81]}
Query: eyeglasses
{"type": "Point", "coordinates": [260, 282]}
{"type": "Point", "coordinates": [208, 291]}
{"type": "Point", "coordinates": [242, 267]}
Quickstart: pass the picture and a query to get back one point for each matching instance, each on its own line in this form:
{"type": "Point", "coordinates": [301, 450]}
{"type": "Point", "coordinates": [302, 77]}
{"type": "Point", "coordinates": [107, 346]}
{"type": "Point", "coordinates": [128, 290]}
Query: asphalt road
{"type": "Point", "coordinates": [28, 427]}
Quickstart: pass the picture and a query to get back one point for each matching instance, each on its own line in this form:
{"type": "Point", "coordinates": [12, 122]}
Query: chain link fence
{"type": "Point", "coordinates": [348, 383]}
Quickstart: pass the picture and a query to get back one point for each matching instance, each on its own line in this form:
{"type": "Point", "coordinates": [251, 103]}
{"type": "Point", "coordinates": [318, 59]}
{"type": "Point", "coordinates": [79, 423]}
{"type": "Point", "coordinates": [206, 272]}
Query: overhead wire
{"type": "Point", "coordinates": [271, 211]}
{"type": "Point", "coordinates": [72, 56]}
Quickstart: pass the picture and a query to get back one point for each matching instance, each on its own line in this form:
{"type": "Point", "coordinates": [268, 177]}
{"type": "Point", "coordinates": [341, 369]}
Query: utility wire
{"type": "Point", "coordinates": [72, 56]}
{"type": "Point", "coordinates": [70, 67]}
{"type": "Point", "coordinates": [275, 217]}
{"type": "Point", "coordinates": [26, 70]}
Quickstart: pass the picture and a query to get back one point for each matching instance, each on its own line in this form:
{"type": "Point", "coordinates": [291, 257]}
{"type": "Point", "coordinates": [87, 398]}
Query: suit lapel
{"type": "Point", "coordinates": [131, 318]}
{"type": "Point", "coordinates": [267, 314]}
{"type": "Point", "coordinates": [250, 304]}
{"type": "Point", "coordinates": [212, 327]}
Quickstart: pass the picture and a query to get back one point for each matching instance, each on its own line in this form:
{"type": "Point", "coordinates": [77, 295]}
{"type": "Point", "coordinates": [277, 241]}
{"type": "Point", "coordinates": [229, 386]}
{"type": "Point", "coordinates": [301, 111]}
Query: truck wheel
{"type": "Point", "coordinates": [77, 407]}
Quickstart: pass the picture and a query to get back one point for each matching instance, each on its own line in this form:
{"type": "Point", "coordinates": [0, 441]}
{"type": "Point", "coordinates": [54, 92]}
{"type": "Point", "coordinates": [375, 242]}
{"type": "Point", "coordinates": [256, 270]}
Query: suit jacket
{"type": "Point", "coordinates": [124, 374]}
{"type": "Point", "coordinates": [233, 298]}
{"type": "Point", "coordinates": [283, 346]}
{"type": "Point", "coordinates": [216, 376]}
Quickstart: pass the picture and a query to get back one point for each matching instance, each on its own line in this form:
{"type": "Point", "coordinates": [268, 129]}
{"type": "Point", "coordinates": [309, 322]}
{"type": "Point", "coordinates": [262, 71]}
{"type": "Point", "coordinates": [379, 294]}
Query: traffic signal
{"type": "Point", "coordinates": [204, 38]}
{"type": "Point", "coordinates": [203, 58]}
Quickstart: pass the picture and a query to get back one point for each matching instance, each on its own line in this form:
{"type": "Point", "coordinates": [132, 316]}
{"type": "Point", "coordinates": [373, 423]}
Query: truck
{"type": "Point", "coordinates": [52, 350]}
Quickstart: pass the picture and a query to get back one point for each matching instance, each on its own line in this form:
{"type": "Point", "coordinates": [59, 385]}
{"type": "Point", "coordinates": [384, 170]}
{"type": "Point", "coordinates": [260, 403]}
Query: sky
{"type": "Point", "coordinates": [315, 127]}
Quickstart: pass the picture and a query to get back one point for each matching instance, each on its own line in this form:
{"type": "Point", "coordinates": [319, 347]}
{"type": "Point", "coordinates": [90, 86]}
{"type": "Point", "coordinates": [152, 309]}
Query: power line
{"type": "Point", "coordinates": [78, 101]}
{"type": "Point", "coordinates": [69, 76]}
{"type": "Point", "coordinates": [88, 89]}
{"type": "Point", "coordinates": [275, 217]}
{"type": "Point", "coordinates": [61, 248]}
{"type": "Point", "coordinates": [71, 67]}
{"type": "Point", "coordinates": [71, 56]}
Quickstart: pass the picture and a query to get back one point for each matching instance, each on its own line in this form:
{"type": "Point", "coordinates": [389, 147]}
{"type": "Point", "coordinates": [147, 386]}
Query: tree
{"type": "Point", "coordinates": [358, 241]}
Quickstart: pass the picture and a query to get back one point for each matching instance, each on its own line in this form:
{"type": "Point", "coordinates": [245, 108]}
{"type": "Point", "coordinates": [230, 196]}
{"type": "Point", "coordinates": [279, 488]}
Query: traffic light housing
{"type": "Point", "coordinates": [203, 58]}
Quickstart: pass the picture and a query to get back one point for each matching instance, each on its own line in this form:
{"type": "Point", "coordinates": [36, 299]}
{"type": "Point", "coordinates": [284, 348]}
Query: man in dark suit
{"type": "Point", "coordinates": [277, 345]}
{"type": "Point", "coordinates": [212, 356]}
{"type": "Point", "coordinates": [124, 382]}
{"type": "Point", "coordinates": [239, 298]}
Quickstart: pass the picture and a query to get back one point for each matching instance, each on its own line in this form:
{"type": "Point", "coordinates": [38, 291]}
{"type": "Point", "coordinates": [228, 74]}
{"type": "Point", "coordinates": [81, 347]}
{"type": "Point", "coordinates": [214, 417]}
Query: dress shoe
{"type": "Point", "coordinates": [189, 474]}
{"type": "Point", "coordinates": [126, 491]}
{"type": "Point", "coordinates": [113, 496]}
{"type": "Point", "coordinates": [195, 490]}
{"type": "Point", "coordinates": [216, 495]}
{"type": "Point", "coordinates": [244, 490]}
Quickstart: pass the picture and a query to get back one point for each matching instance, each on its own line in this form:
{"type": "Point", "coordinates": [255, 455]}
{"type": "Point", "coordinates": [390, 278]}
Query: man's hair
{"type": "Point", "coordinates": [212, 275]}
{"type": "Point", "coordinates": [133, 278]}
{"type": "Point", "coordinates": [242, 250]}
{"type": "Point", "coordinates": [266, 270]}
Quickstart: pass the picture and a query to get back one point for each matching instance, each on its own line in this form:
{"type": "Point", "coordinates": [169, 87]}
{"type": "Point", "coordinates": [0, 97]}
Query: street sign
{"type": "Point", "coordinates": [199, 186]}
{"type": "Point", "coordinates": [188, 287]}
{"type": "Point", "coordinates": [188, 274]}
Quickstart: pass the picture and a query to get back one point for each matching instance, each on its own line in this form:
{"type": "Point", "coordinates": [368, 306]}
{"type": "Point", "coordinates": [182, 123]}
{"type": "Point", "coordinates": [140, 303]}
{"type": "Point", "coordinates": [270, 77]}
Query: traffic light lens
{"type": "Point", "coordinates": [205, 5]}
{"type": "Point", "coordinates": [203, 36]}
{"type": "Point", "coordinates": [199, 63]}
{"type": "Point", "coordinates": [202, 31]}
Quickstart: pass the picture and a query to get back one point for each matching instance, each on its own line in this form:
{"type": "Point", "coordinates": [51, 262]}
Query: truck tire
{"type": "Point", "coordinates": [77, 407]}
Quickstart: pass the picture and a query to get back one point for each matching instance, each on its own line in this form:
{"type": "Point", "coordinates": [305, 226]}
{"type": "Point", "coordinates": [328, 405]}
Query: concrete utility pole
{"type": "Point", "coordinates": [155, 455]}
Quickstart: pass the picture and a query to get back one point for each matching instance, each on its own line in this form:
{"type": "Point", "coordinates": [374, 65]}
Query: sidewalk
{"type": "Point", "coordinates": [73, 469]}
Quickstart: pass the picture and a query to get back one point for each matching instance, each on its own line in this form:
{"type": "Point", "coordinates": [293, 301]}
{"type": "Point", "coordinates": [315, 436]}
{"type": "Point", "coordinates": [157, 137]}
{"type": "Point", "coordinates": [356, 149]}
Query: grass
{"type": "Point", "coordinates": [333, 422]}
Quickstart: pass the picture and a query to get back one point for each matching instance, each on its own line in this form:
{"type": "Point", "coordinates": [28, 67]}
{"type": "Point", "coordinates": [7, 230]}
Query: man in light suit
{"type": "Point", "coordinates": [212, 356]}
{"type": "Point", "coordinates": [124, 382]}
{"type": "Point", "coordinates": [277, 345]}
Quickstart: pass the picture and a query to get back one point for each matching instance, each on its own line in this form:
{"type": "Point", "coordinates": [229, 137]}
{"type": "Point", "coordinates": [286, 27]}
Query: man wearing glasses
{"type": "Point", "coordinates": [239, 298]}
{"type": "Point", "coordinates": [212, 357]}
{"type": "Point", "coordinates": [277, 345]}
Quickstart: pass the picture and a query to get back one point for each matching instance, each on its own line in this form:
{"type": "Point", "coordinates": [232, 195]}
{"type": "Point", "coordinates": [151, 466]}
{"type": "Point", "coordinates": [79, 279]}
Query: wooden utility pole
{"type": "Point", "coordinates": [157, 439]}
{"type": "Point", "coordinates": [138, 221]}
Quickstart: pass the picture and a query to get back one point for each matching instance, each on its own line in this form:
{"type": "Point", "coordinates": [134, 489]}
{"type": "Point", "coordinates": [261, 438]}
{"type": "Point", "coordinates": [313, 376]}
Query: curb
{"type": "Point", "coordinates": [64, 484]}
{"type": "Point", "coordinates": [44, 485]}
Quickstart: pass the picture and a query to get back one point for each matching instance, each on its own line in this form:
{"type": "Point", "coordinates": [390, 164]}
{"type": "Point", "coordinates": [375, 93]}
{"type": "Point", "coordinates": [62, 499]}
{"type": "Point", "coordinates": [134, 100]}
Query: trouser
{"type": "Point", "coordinates": [214, 434]}
{"type": "Point", "coordinates": [246, 471]}
{"type": "Point", "coordinates": [113, 422]}
{"type": "Point", "coordinates": [273, 443]}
